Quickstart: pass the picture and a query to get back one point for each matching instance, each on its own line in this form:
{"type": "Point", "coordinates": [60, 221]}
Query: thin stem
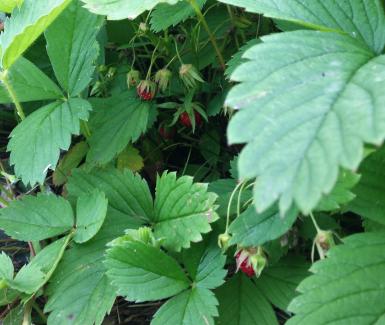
{"type": "Point", "coordinates": [40, 312]}
{"type": "Point", "coordinates": [12, 94]}
{"type": "Point", "coordinates": [229, 206]}
{"type": "Point", "coordinates": [187, 161]}
{"type": "Point", "coordinates": [239, 199]}
{"type": "Point", "coordinates": [152, 62]}
{"type": "Point", "coordinates": [315, 222]}
{"type": "Point", "coordinates": [211, 35]}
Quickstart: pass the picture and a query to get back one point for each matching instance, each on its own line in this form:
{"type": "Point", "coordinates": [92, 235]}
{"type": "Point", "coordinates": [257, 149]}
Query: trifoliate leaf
{"type": "Point", "coordinates": [307, 103]}
{"type": "Point", "coordinates": [9, 5]}
{"type": "Point", "coordinates": [70, 160]}
{"type": "Point", "coordinates": [141, 272]}
{"type": "Point", "coordinates": [166, 15]}
{"type": "Point", "coordinates": [36, 142]}
{"type": "Point", "coordinates": [370, 191]}
{"type": "Point", "coordinates": [196, 306]}
{"type": "Point", "coordinates": [254, 229]}
{"type": "Point", "coordinates": [183, 211]}
{"type": "Point", "coordinates": [118, 121]}
{"type": "Point", "coordinates": [46, 216]}
{"type": "Point", "coordinates": [91, 210]}
{"type": "Point", "coordinates": [127, 193]}
{"type": "Point", "coordinates": [25, 26]}
{"type": "Point", "coordinates": [82, 270]}
{"type": "Point", "coordinates": [73, 48]}
{"type": "Point", "coordinates": [122, 9]}
{"type": "Point", "coordinates": [279, 282]}
{"type": "Point", "coordinates": [241, 303]}
{"type": "Point", "coordinates": [28, 83]}
{"type": "Point", "coordinates": [130, 158]}
{"type": "Point", "coordinates": [363, 20]}
{"type": "Point", "coordinates": [343, 284]}
{"type": "Point", "coordinates": [341, 193]}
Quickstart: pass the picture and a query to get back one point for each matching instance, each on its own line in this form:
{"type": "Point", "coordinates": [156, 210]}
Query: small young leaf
{"type": "Point", "coordinates": [130, 158]}
{"type": "Point", "coordinates": [25, 26]}
{"type": "Point", "coordinates": [241, 303]}
{"type": "Point", "coordinates": [183, 211]}
{"type": "Point", "coordinates": [29, 83]}
{"type": "Point", "coordinates": [36, 142]}
{"type": "Point", "coordinates": [122, 9]}
{"type": "Point", "coordinates": [37, 217]}
{"type": "Point", "coordinates": [343, 284]}
{"type": "Point", "coordinates": [141, 272]}
{"type": "Point", "coordinates": [73, 48]}
{"type": "Point", "coordinates": [91, 210]}
{"type": "Point", "coordinates": [254, 229]}
{"type": "Point", "coordinates": [197, 306]}
{"type": "Point", "coordinates": [118, 121]}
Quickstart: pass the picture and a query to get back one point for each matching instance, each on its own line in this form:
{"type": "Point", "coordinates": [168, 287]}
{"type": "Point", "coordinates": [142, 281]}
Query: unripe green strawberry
{"type": "Point", "coordinates": [162, 78]}
{"type": "Point", "coordinates": [133, 78]}
{"type": "Point", "coordinates": [189, 75]}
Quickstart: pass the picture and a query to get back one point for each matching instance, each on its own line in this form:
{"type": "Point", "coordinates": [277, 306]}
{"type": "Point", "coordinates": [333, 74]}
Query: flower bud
{"type": "Point", "coordinates": [162, 78]}
{"type": "Point", "coordinates": [189, 75]}
{"type": "Point", "coordinates": [324, 241]}
{"type": "Point", "coordinates": [223, 241]}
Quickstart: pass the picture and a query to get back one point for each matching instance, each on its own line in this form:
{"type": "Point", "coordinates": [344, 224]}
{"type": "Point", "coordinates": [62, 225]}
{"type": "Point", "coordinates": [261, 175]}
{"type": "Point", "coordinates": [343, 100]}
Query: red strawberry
{"type": "Point", "coordinates": [244, 264]}
{"type": "Point", "coordinates": [166, 133]}
{"type": "Point", "coordinates": [146, 90]}
{"type": "Point", "coordinates": [185, 119]}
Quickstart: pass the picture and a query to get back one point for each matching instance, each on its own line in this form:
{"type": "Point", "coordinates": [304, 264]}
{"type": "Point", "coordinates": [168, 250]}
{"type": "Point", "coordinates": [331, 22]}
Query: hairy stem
{"type": "Point", "coordinates": [12, 94]}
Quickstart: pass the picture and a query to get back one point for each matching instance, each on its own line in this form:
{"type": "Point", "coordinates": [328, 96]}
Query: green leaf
{"type": "Point", "coordinates": [278, 282]}
{"type": "Point", "coordinates": [28, 83]}
{"type": "Point", "coordinates": [118, 120]}
{"type": "Point", "coordinates": [363, 20]}
{"type": "Point", "coordinates": [166, 15]}
{"type": "Point", "coordinates": [73, 48]}
{"type": "Point", "coordinates": [310, 103]}
{"type": "Point", "coordinates": [127, 193]}
{"type": "Point", "coordinates": [15, 316]}
{"type": "Point", "coordinates": [36, 142]}
{"type": "Point", "coordinates": [141, 272]}
{"type": "Point", "coordinates": [183, 211]}
{"type": "Point", "coordinates": [28, 280]}
{"type": "Point", "coordinates": [122, 9]}
{"type": "Point", "coordinates": [241, 303]}
{"type": "Point", "coordinates": [6, 267]}
{"type": "Point", "coordinates": [238, 59]}
{"type": "Point", "coordinates": [205, 265]}
{"type": "Point", "coordinates": [130, 158]}
{"type": "Point", "coordinates": [47, 216]}
{"type": "Point", "coordinates": [343, 284]}
{"type": "Point", "coordinates": [9, 5]}
{"type": "Point", "coordinates": [254, 229]}
{"type": "Point", "coordinates": [91, 210]}
{"type": "Point", "coordinates": [197, 306]}
{"type": "Point", "coordinates": [25, 26]}
{"type": "Point", "coordinates": [70, 160]}
{"type": "Point", "coordinates": [341, 193]}
{"type": "Point", "coordinates": [82, 271]}
{"type": "Point", "coordinates": [370, 191]}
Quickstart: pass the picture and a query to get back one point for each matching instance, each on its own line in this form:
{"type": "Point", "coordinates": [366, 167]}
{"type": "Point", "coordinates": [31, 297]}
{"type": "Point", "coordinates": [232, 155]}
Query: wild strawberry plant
{"type": "Point", "coordinates": [219, 162]}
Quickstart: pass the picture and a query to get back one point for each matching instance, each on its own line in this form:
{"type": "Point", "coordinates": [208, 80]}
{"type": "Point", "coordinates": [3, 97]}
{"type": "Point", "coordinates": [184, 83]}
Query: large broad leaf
{"type": "Point", "coordinates": [118, 120]}
{"type": "Point", "coordinates": [141, 272]}
{"type": "Point", "coordinates": [241, 303]}
{"type": "Point", "coordinates": [37, 218]}
{"type": "Point", "coordinates": [370, 191]}
{"type": "Point", "coordinates": [127, 193]}
{"type": "Point", "coordinates": [82, 269]}
{"type": "Point", "coordinates": [254, 229]}
{"type": "Point", "coordinates": [72, 47]}
{"type": "Point", "coordinates": [363, 19]}
{"type": "Point", "coordinates": [9, 5]}
{"type": "Point", "coordinates": [91, 211]}
{"type": "Point", "coordinates": [36, 142]}
{"type": "Point", "coordinates": [279, 282]}
{"type": "Point", "coordinates": [347, 288]}
{"type": "Point", "coordinates": [317, 97]}
{"type": "Point", "coordinates": [122, 9]}
{"type": "Point", "coordinates": [25, 25]}
{"type": "Point", "coordinates": [165, 15]}
{"type": "Point", "coordinates": [183, 211]}
{"type": "Point", "coordinates": [197, 306]}
{"type": "Point", "coordinates": [28, 83]}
